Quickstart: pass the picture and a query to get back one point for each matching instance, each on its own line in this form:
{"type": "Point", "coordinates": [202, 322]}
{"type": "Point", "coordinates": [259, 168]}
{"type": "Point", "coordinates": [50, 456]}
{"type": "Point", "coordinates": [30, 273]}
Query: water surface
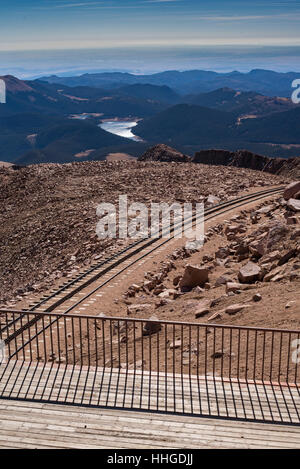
{"type": "Point", "coordinates": [121, 128]}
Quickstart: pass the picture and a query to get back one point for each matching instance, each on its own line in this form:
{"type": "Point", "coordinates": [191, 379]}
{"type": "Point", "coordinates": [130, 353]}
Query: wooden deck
{"type": "Point", "coordinates": [137, 390]}
{"type": "Point", "coordinates": [32, 425]}
{"type": "Point", "coordinates": [59, 406]}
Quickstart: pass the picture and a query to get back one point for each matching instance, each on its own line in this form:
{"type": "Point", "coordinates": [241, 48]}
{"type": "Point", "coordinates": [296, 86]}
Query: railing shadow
{"type": "Point", "coordinates": [126, 389]}
{"type": "Point", "coordinates": [151, 365]}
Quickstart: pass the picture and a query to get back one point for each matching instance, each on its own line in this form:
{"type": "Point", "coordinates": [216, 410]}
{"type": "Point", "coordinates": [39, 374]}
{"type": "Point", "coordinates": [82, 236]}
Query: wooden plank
{"type": "Point", "coordinates": [61, 426]}
{"type": "Point", "coordinates": [289, 395]}
{"type": "Point", "coordinates": [211, 432]}
{"type": "Point", "coordinates": [227, 399]}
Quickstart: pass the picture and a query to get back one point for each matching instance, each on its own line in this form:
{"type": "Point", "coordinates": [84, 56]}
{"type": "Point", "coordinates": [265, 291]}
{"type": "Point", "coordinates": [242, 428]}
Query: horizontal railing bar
{"type": "Point", "coordinates": [142, 320]}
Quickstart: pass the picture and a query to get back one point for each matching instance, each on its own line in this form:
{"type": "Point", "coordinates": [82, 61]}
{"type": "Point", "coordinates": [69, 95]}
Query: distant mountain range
{"type": "Point", "coordinates": [187, 124]}
{"type": "Point", "coordinates": [36, 124]}
{"type": "Point", "coordinates": [266, 82]}
{"type": "Point", "coordinates": [241, 103]}
{"type": "Point", "coordinates": [38, 96]}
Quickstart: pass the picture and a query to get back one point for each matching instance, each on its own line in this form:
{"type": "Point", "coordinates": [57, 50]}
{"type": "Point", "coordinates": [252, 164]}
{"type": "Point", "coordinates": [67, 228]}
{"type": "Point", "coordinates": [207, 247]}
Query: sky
{"type": "Point", "coordinates": [60, 25]}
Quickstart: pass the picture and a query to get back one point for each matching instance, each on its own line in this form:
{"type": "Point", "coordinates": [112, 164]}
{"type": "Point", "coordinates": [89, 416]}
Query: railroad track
{"type": "Point", "coordinates": [107, 270]}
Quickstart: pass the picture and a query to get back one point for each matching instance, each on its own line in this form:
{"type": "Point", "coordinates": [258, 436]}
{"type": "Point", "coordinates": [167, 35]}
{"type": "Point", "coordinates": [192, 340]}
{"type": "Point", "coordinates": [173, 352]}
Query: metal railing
{"type": "Point", "coordinates": [245, 353]}
{"type": "Point", "coordinates": [149, 364]}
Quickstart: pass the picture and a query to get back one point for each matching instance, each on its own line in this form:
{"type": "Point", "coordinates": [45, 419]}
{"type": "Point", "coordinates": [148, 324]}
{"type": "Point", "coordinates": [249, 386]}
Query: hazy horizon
{"type": "Point", "coordinates": [146, 60]}
{"type": "Point", "coordinates": [42, 37]}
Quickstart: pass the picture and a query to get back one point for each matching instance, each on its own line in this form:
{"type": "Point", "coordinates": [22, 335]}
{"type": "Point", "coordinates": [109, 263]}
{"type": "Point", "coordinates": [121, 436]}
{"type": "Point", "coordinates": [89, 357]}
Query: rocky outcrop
{"type": "Point", "coordinates": [247, 159]}
{"type": "Point", "coordinates": [164, 153]}
{"type": "Point", "coordinates": [14, 85]}
{"type": "Point", "coordinates": [291, 190]}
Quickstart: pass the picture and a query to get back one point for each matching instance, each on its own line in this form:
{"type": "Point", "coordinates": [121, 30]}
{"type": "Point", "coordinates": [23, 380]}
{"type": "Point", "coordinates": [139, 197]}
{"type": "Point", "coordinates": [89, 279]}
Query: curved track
{"type": "Point", "coordinates": [121, 261]}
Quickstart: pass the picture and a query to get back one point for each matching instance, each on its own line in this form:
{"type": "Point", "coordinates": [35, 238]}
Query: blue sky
{"type": "Point", "coordinates": [73, 24]}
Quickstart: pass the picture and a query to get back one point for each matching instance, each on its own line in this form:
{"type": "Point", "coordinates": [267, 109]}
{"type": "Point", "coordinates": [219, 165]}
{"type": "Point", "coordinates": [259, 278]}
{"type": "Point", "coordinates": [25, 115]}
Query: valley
{"type": "Point", "coordinates": [156, 107]}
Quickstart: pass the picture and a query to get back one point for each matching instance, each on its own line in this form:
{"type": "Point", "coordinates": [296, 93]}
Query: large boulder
{"type": "Point", "coordinates": [194, 276]}
{"type": "Point", "coordinates": [264, 210]}
{"type": "Point", "coordinates": [294, 204]}
{"type": "Point", "coordinates": [133, 309]}
{"type": "Point", "coordinates": [201, 308]}
{"type": "Point", "coordinates": [235, 286]}
{"type": "Point", "coordinates": [277, 233]}
{"type": "Point", "coordinates": [278, 271]}
{"type": "Point", "coordinates": [169, 293]}
{"type": "Point", "coordinates": [233, 309]}
{"type": "Point", "coordinates": [270, 257]}
{"type": "Point", "coordinates": [222, 253]}
{"type": "Point", "coordinates": [235, 228]}
{"type": "Point", "coordinates": [249, 273]}
{"type": "Point", "coordinates": [258, 247]}
{"type": "Point", "coordinates": [152, 326]}
{"type": "Point", "coordinates": [212, 200]}
{"type": "Point", "coordinates": [223, 279]}
{"type": "Point", "coordinates": [291, 190]}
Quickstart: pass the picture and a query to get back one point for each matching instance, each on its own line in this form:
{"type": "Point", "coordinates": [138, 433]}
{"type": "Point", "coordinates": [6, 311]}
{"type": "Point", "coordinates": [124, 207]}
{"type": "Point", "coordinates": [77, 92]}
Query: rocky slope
{"type": "Point", "coordinates": [48, 212]}
{"type": "Point", "coordinates": [247, 273]}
